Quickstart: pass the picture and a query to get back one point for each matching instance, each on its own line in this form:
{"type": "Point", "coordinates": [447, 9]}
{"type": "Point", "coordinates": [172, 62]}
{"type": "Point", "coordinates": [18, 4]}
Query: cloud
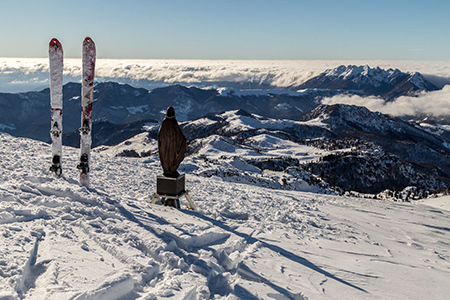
{"type": "Point", "coordinates": [30, 74]}
{"type": "Point", "coordinates": [372, 103]}
{"type": "Point", "coordinates": [436, 103]}
{"type": "Point", "coordinates": [26, 74]}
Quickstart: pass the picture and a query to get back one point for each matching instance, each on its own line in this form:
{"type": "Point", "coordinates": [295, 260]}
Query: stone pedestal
{"type": "Point", "coordinates": [170, 186]}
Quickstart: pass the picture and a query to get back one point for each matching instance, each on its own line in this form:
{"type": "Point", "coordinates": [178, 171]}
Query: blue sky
{"type": "Point", "coordinates": [230, 29]}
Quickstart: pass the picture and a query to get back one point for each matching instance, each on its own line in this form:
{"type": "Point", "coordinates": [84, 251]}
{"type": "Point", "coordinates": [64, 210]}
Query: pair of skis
{"type": "Point", "coordinates": [55, 52]}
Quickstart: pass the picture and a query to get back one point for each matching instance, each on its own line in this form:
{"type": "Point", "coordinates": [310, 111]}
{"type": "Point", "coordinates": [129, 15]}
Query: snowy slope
{"type": "Point", "coordinates": [60, 240]}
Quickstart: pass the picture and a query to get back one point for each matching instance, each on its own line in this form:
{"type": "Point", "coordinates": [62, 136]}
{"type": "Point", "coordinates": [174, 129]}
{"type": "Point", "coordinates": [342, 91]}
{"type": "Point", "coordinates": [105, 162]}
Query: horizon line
{"type": "Point", "coordinates": [229, 59]}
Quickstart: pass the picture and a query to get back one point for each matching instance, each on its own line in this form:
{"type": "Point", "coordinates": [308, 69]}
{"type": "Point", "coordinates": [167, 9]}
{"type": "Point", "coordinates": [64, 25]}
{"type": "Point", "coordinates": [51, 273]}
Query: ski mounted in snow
{"type": "Point", "coordinates": [87, 98]}
{"type": "Point", "coordinates": [55, 54]}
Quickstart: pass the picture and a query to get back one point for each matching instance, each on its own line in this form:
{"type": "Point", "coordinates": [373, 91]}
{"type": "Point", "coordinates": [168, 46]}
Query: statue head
{"type": "Point", "coordinates": [170, 112]}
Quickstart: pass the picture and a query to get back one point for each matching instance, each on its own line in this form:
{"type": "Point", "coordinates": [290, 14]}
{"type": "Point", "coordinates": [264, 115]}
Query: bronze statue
{"type": "Point", "coordinates": [171, 144]}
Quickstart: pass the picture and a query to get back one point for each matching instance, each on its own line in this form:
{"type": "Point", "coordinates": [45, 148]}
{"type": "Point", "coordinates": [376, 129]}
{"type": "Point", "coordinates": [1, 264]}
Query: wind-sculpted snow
{"type": "Point", "coordinates": [60, 240]}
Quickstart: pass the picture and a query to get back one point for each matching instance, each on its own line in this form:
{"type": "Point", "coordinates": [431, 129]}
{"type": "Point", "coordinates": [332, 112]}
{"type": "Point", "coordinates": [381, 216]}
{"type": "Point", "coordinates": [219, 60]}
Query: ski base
{"type": "Point", "coordinates": [56, 65]}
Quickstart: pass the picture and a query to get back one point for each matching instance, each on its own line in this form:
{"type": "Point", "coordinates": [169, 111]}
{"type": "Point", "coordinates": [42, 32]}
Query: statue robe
{"type": "Point", "coordinates": [171, 146]}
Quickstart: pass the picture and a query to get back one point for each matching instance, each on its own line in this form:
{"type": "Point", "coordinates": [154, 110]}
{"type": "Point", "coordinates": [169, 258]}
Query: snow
{"type": "Point", "coordinates": [271, 146]}
{"type": "Point", "coordinates": [440, 202]}
{"type": "Point", "coordinates": [184, 106]}
{"type": "Point", "coordinates": [61, 240]}
{"type": "Point", "coordinates": [376, 76]}
{"type": "Point", "coordinates": [418, 81]}
{"type": "Point", "coordinates": [75, 98]}
{"type": "Point", "coordinates": [202, 122]}
{"type": "Point", "coordinates": [3, 127]}
{"type": "Point", "coordinates": [137, 109]}
{"type": "Point", "coordinates": [318, 122]}
{"type": "Point", "coordinates": [139, 143]}
{"type": "Point", "coordinates": [283, 106]}
{"type": "Point", "coordinates": [239, 122]}
{"type": "Point", "coordinates": [434, 128]}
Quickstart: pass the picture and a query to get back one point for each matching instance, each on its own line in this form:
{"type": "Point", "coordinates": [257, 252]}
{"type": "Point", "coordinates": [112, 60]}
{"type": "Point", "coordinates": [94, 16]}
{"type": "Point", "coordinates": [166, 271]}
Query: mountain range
{"type": "Point", "coordinates": [346, 147]}
{"type": "Point", "coordinates": [359, 150]}
{"type": "Point", "coordinates": [387, 84]}
{"type": "Point", "coordinates": [27, 114]}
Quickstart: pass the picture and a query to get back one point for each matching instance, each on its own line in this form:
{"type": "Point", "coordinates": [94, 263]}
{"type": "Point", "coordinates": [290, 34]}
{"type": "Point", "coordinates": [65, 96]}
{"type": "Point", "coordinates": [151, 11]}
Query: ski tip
{"type": "Point", "coordinates": [88, 42]}
{"type": "Point", "coordinates": [55, 44]}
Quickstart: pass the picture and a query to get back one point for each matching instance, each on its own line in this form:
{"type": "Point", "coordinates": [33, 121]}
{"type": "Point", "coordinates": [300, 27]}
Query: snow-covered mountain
{"type": "Point", "coordinates": [388, 84]}
{"type": "Point", "coordinates": [27, 114]}
{"type": "Point", "coordinates": [247, 240]}
{"type": "Point", "coordinates": [327, 148]}
{"type": "Point", "coordinates": [351, 120]}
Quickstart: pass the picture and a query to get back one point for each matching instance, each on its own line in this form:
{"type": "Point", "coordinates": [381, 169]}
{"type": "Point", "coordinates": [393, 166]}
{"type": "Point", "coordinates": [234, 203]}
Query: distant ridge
{"type": "Point", "coordinates": [388, 84]}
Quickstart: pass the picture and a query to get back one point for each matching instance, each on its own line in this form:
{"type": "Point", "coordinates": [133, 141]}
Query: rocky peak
{"type": "Point", "coordinates": [364, 80]}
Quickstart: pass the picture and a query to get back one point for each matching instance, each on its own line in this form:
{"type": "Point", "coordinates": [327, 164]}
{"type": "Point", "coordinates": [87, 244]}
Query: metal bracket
{"type": "Point", "coordinates": [177, 198]}
{"type": "Point", "coordinates": [55, 133]}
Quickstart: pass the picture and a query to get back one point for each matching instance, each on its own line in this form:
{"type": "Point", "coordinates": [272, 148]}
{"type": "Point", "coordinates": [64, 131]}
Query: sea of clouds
{"type": "Point", "coordinates": [29, 74]}
{"type": "Point", "coordinates": [436, 103]}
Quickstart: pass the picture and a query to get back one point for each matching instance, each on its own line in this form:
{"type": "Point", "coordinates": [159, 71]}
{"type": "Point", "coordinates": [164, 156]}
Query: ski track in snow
{"type": "Point", "coordinates": [60, 240]}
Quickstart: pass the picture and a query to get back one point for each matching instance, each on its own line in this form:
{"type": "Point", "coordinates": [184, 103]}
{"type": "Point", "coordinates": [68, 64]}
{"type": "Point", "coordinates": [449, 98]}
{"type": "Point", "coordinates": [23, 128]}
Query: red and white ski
{"type": "Point", "coordinates": [55, 54]}
{"type": "Point", "coordinates": [87, 98]}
